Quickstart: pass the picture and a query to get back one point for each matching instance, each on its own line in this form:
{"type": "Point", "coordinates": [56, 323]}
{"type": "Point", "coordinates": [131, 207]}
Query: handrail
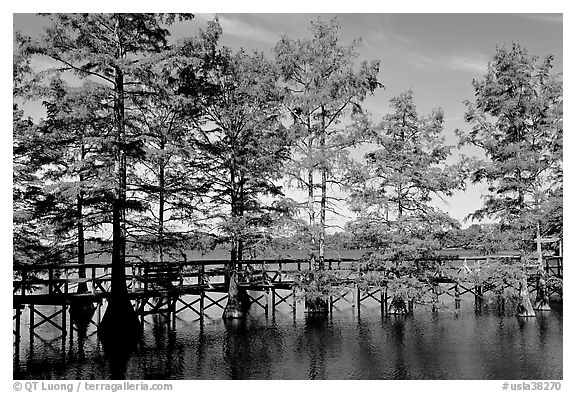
{"type": "Point", "coordinates": [216, 262]}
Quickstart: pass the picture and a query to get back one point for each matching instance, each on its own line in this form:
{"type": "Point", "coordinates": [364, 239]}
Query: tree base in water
{"type": "Point", "coordinates": [542, 297]}
{"type": "Point", "coordinates": [81, 312]}
{"type": "Point", "coordinates": [235, 307]}
{"type": "Point", "coordinates": [233, 310]}
{"type": "Point", "coordinates": [542, 305]}
{"type": "Point", "coordinates": [120, 323]}
{"type": "Point", "coordinates": [525, 308]}
{"type": "Point", "coordinates": [398, 306]}
{"type": "Point", "coordinates": [317, 306]}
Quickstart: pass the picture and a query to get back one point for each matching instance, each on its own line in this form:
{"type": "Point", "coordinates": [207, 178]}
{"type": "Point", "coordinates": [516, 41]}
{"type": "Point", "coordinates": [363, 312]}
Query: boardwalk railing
{"type": "Point", "coordinates": [59, 281]}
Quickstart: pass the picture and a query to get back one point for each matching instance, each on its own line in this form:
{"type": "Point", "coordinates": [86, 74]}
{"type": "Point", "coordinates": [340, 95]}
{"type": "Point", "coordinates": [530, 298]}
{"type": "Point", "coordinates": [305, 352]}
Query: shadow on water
{"type": "Point", "coordinates": [251, 348]}
{"type": "Point", "coordinates": [398, 346]}
{"type": "Point", "coordinates": [235, 346]}
{"type": "Point", "coordinates": [315, 342]}
{"type": "Point", "coordinates": [117, 351]}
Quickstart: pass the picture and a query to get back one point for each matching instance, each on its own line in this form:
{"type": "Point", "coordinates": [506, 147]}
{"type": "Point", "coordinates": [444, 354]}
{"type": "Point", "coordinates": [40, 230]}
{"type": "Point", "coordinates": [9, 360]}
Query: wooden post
{"type": "Point", "coordinates": [202, 303]}
{"type": "Point", "coordinates": [64, 308]}
{"type": "Point", "coordinates": [93, 280]}
{"type": "Point", "coordinates": [24, 278]}
{"type": "Point", "coordinates": [18, 314]}
{"type": "Point", "coordinates": [71, 330]}
{"type": "Point", "coordinates": [354, 294]}
{"type": "Point", "coordinates": [478, 296]}
{"type": "Point", "coordinates": [146, 279]}
{"type": "Point", "coordinates": [133, 279]}
{"type": "Point", "coordinates": [435, 304]}
{"type": "Point", "coordinates": [273, 300]}
{"type": "Point", "coordinates": [294, 301]}
{"type": "Point", "coordinates": [31, 306]}
{"type": "Point", "coordinates": [386, 300]}
{"type": "Point", "coordinates": [457, 296]}
{"type": "Point", "coordinates": [358, 296]}
{"type": "Point", "coordinates": [50, 280]}
{"type": "Point", "coordinates": [381, 301]}
{"type": "Point", "coordinates": [64, 332]}
{"type": "Point", "coordinates": [201, 275]}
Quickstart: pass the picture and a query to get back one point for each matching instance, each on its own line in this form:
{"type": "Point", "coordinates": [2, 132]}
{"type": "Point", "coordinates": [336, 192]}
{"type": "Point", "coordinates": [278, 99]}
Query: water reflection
{"type": "Point", "coordinates": [345, 345]}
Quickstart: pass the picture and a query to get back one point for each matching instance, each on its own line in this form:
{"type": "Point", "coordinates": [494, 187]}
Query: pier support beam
{"type": "Point", "coordinates": [202, 295]}
{"type": "Point", "coordinates": [386, 300]}
{"type": "Point", "coordinates": [17, 317]}
{"type": "Point", "coordinates": [478, 297]}
{"type": "Point", "coordinates": [457, 296]}
{"type": "Point", "coordinates": [31, 321]}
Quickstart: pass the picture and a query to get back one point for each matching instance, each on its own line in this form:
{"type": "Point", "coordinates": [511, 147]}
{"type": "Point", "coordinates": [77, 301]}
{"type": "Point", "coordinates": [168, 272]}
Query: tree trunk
{"type": "Point", "coordinates": [120, 322]}
{"type": "Point", "coordinates": [312, 217]}
{"type": "Point", "coordinates": [324, 176]}
{"type": "Point", "coordinates": [398, 306]}
{"type": "Point", "coordinates": [238, 303]}
{"type": "Point", "coordinates": [161, 203]}
{"type": "Point", "coordinates": [542, 296]}
{"type": "Point", "coordinates": [81, 310]}
{"type": "Point", "coordinates": [82, 286]}
{"type": "Point", "coordinates": [525, 307]}
{"type": "Point", "coordinates": [316, 305]}
{"type": "Point", "coordinates": [234, 308]}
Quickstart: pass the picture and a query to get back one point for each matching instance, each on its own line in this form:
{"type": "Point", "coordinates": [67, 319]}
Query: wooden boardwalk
{"type": "Point", "coordinates": [199, 285]}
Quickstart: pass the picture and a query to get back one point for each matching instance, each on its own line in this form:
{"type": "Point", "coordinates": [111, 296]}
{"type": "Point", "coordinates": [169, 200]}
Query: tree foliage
{"type": "Point", "coordinates": [393, 188]}
{"type": "Point", "coordinates": [516, 120]}
{"type": "Point", "coordinates": [323, 85]}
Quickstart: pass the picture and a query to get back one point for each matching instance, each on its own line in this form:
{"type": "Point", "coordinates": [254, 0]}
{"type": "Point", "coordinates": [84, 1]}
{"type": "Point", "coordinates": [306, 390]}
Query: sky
{"type": "Point", "coordinates": [436, 55]}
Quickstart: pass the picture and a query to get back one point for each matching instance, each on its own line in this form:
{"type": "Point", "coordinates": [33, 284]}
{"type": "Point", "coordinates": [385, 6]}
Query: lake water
{"type": "Point", "coordinates": [346, 345]}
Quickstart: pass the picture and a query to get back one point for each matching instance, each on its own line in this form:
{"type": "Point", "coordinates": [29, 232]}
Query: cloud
{"type": "Point", "coordinates": [410, 51]}
{"type": "Point", "coordinates": [468, 62]}
{"type": "Point", "coordinates": [547, 18]}
{"type": "Point", "coordinates": [472, 62]}
{"type": "Point", "coordinates": [241, 29]}
{"type": "Point", "coordinates": [388, 39]}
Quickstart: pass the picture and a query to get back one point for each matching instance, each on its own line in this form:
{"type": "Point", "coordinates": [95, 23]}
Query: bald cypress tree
{"type": "Point", "coordinates": [516, 118]}
{"type": "Point", "coordinates": [112, 50]}
{"type": "Point", "coordinates": [392, 194]}
{"type": "Point", "coordinates": [323, 85]}
{"type": "Point", "coordinates": [243, 145]}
